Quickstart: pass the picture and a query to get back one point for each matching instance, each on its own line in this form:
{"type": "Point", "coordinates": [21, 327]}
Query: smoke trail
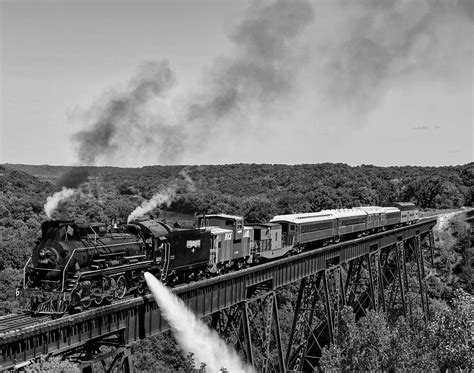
{"type": "Point", "coordinates": [190, 183]}
{"type": "Point", "coordinates": [259, 72]}
{"type": "Point", "coordinates": [124, 121]}
{"type": "Point", "coordinates": [192, 334]}
{"type": "Point", "coordinates": [54, 201]}
{"type": "Point", "coordinates": [380, 44]}
{"type": "Point", "coordinates": [158, 199]}
{"type": "Point", "coordinates": [73, 177]}
{"type": "Point", "coordinates": [164, 197]}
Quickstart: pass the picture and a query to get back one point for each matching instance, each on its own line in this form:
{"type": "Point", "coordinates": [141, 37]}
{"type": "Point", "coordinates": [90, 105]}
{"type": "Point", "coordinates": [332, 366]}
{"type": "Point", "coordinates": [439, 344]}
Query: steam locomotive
{"type": "Point", "coordinates": [76, 265]}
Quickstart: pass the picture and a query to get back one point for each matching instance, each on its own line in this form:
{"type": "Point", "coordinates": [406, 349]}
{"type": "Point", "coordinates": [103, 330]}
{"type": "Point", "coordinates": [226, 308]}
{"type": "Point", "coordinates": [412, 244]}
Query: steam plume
{"type": "Point", "coordinates": [54, 201]}
{"type": "Point", "coordinates": [189, 182]}
{"type": "Point", "coordinates": [165, 197]}
{"type": "Point", "coordinates": [192, 334]}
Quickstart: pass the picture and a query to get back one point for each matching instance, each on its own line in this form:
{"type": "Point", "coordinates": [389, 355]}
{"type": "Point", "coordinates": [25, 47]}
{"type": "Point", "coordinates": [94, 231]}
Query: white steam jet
{"type": "Point", "coordinates": [192, 334]}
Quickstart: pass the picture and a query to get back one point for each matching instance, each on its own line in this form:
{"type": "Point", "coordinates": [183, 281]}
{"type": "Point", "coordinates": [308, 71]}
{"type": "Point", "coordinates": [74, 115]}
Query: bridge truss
{"type": "Point", "coordinates": [381, 271]}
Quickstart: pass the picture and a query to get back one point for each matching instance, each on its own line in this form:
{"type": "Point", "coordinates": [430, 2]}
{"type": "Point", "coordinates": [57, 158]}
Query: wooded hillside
{"type": "Point", "coordinates": [259, 192]}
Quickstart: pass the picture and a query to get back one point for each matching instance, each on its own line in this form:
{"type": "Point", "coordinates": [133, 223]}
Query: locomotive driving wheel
{"type": "Point", "coordinates": [98, 298]}
{"type": "Point", "coordinates": [86, 303]}
{"type": "Point", "coordinates": [109, 285]}
{"type": "Point", "coordinates": [121, 287]}
{"type": "Point", "coordinates": [141, 288]}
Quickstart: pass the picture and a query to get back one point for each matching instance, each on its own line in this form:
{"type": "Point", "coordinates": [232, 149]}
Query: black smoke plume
{"type": "Point", "coordinates": [73, 177]}
{"type": "Point", "coordinates": [380, 44]}
{"type": "Point", "coordinates": [260, 72]}
{"type": "Point", "coordinates": [121, 120]}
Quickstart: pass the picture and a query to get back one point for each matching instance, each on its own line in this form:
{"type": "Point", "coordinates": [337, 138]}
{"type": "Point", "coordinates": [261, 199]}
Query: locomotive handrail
{"type": "Point", "coordinates": [69, 260]}
{"type": "Point", "coordinates": [48, 269]}
{"type": "Point", "coordinates": [24, 271]}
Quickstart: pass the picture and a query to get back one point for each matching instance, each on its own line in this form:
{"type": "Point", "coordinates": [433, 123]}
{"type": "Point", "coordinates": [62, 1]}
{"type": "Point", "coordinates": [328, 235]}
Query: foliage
{"type": "Point", "coordinates": [159, 351]}
{"type": "Point", "coordinates": [370, 343]}
{"type": "Point", "coordinates": [9, 279]}
{"type": "Point", "coordinates": [259, 192]}
{"type": "Point", "coordinates": [53, 365]}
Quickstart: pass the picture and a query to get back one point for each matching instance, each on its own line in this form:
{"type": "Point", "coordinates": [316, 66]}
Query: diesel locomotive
{"type": "Point", "coordinates": [76, 265]}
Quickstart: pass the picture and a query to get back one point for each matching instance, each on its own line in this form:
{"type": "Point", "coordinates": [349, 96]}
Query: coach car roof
{"type": "Point", "coordinates": [346, 213]}
{"type": "Point", "coordinates": [224, 216]}
{"type": "Point", "coordinates": [308, 217]}
{"type": "Point", "coordinates": [370, 209]}
{"type": "Point", "coordinates": [391, 209]}
{"type": "Point", "coordinates": [263, 225]}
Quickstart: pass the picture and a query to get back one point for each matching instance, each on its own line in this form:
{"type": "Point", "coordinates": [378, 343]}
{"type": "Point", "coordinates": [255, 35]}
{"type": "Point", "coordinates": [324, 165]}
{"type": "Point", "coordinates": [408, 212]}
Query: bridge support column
{"type": "Point", "coordinates": [421, 276]}
{"type": "Point", "coordinates": [121, 361]}
{"type": "Point", "coordinates": [431, 245]}
{"type": "Point", "coordinates": [357, 286]}
{"type": "Point", "coordinates": [401, 271]}
{"type": "Point", "coordinates": [373, 265]}
{"type": "Point", "coordinates": [253, 327]}
{"type": "Point", "coordinates": [332, 292]}
{"type": "Point", "coordinates": [316, 319]}
{"type": "Point", "coordinates": [309, 323]}
{"type": "Point", "coordinates": [110, 350]}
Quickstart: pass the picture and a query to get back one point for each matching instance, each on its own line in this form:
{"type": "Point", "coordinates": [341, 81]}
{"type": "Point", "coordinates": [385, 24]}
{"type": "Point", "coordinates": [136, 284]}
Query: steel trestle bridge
{"type": "Point", "coordinates": [373, 272]}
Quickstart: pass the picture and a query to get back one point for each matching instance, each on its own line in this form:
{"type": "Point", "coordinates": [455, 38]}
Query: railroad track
{"type": "Point", "coordinates": [13, 322]}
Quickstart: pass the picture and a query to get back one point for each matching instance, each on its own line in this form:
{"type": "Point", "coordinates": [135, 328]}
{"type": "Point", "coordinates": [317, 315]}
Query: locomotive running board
{"type": "Point", "coordinates": [115, 270]}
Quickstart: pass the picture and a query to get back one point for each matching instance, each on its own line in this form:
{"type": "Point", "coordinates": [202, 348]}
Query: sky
{"type": "Point", "coordinates": [134, 83]}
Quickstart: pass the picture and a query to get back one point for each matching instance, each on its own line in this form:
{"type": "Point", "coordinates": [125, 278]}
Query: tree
{"type": "Point", "coordinates": [52, 365]}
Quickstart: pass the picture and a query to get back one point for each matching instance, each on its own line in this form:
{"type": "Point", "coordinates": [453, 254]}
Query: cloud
{"type": "Point", "coordinates": [426, 128]}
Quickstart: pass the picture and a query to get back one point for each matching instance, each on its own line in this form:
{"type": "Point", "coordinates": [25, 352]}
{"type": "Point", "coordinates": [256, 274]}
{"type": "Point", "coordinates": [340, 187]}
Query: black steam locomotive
{"type": "Point", "coordinates": [76, 265]}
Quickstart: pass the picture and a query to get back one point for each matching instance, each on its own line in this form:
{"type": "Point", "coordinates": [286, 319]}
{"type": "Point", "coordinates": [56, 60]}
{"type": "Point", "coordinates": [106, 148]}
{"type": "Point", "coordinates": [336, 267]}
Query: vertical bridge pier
{"type": "Point", "coordinates": [366, 273]}
{"type": "Point", "coordinates": [377, 280]}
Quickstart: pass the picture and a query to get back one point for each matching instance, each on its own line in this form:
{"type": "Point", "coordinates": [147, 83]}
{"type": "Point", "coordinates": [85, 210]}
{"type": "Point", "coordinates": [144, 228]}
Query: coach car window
{"type": "Point", "coordinates": [353, 221]}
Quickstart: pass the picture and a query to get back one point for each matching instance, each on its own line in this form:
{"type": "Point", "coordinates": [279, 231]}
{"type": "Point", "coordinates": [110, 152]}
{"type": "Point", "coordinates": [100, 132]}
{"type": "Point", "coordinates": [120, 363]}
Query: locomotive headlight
{"type": "Point", "coordinates": [48, 257]}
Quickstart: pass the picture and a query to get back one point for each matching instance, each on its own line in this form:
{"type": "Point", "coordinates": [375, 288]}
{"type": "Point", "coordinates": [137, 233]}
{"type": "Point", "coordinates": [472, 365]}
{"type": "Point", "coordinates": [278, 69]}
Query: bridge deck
{"type": "Point", "coordinates": [138, 318]}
